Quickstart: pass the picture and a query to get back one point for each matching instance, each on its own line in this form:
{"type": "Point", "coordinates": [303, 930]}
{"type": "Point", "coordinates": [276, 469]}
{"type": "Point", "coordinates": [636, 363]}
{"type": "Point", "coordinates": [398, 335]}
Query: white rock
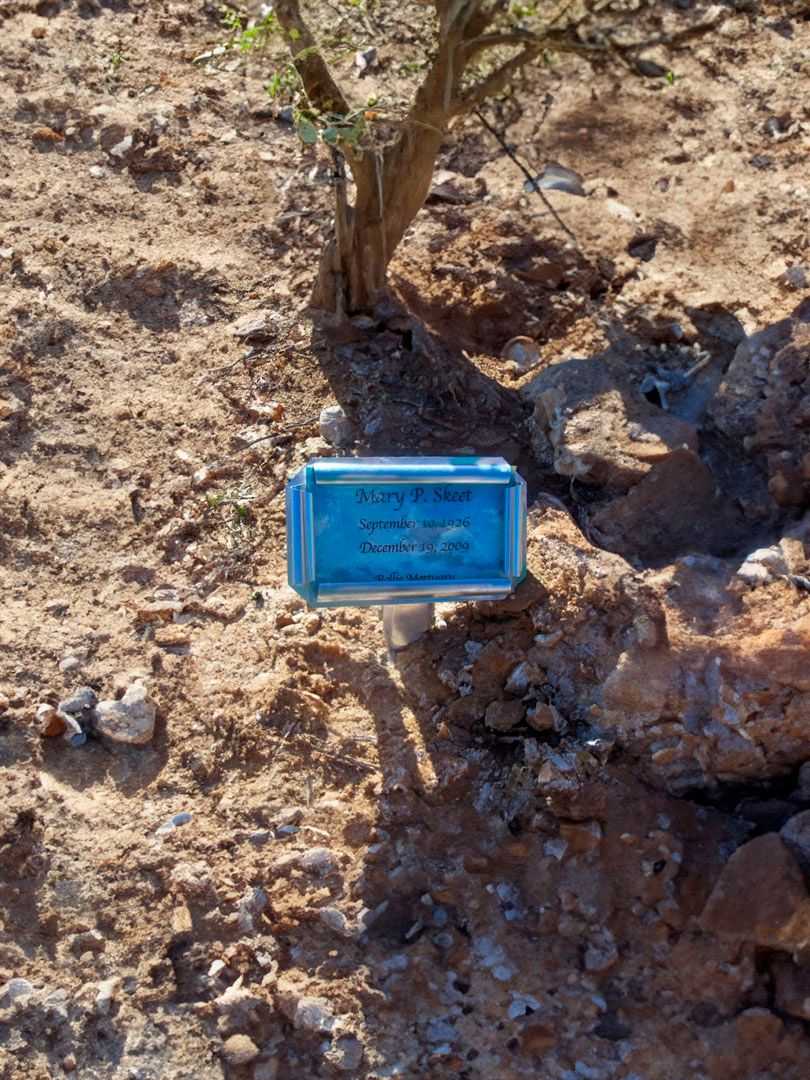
{"type": "Point", "coordinates": [335, 427]}
{"type": "Point", "coordinates": [771, 557]}
{"type": "Point", "coordinates": [122, 148]}
{"type": "Point", "coordinates": [318, 860]}
{"type": "Point", "coordinates": [238, 1005]}
{"type": "Point", "coordinates": [365, 59]}
{"type": "Point", "coordinates": [313, 1014]}
{"type": "Point", "coordinates": [335, 920]}
{"type": "Point", "coordinates": [106, 994]}
{"type": "Point", "coordinates": [619, 210]}
{"type": "Point", "coordinates": [754, 574]}
{"type": "Point", "coordinates": [762, 566]}
{"type": "Point", "coordinates": [130, 720]}
{"type": "Point", "coordinates": [15, 989]}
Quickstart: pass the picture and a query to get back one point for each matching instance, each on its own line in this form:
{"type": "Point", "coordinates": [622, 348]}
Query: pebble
{"type": "Point", "coordinates": [83, 700]}
{"type": "Point", "coordinates": [106, 994]}
{"type": "Point", "coordinates": [504, 715]}
{"type": "Point", "coordinates": [240, 1050]}
{"type": "Point", "coordinates": [89, 941]}
{"type": "Point", "coordinates": [313, 1014]}
{"type": "Point", "coordinates": [122, 148]}
{"type": "Point", "coordinates": [183, 818]}
{"type": "Point", "coordinates": [762, 566]}
{"type": "Point", "coordinates": [365, 59]}
{"type": "Point", "coordinates": [250, 907]}
{"type": "Point", "coordinates": [318, 860]}
{"type": "Point", "coordinates": [521, 678]}
{"type": "Point", "coordinates": [290, 815]}
{"type": "Point", "coordinates": [256, 326]}
{"type": "Point", "coordinates": [130, 720]}
{"type": "Point", "coordinates": [15, 989]}
{"type": "Point", "coordinates": [345, 1054]}
{"type": "Point", "coordinates": [602, 953]}
{"type": "Point", "coordinates": [797, 277]}
{"type": "Point", "coordinates": [70, 663]}
{"type": "Point", "coordinates": [4, 703]}
{"type": "Point", "coordinates": [522, 1005]}
{"type": "Point", "coordinates": [335, 920]}
{"type": "Point", "coordinates": [440, 1030]}
{"type": "Point", "coordinates": [50, 722]}
{"type": "Point", "coordinates": [544, 717]}
{"type": "Point", "coordinates": [73, 732]}
{"type": "Point", "coordinates": [237, 1004]}
{"type": "Point", "coordinates": [335, 427]}
{"type": "Point", "coordinates": [521, 351]}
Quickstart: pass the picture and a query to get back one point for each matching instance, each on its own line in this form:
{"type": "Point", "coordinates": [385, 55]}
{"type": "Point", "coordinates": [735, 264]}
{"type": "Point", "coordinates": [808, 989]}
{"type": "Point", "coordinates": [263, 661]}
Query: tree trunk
{"type": "Point", "coordinates": [391, 188]}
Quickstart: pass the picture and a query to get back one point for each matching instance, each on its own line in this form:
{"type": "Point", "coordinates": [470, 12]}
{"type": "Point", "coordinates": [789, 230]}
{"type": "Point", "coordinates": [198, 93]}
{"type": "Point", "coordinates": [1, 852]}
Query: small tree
{"type": "Point", "coordinates": [479, 47]}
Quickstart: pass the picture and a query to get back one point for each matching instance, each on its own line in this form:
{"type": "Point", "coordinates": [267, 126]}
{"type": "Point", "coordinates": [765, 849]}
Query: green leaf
{"type": "Point", "coordinates": [331, 136]}
{"type": "Point", "coordinates": [352, 135]}
{"type": "Point", "coordinates": [307, 132]}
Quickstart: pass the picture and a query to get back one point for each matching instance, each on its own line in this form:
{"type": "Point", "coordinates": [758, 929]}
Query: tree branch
{"type": "Point", "coordinates": [321, 88]}
{"type": "Point", "coordinates": [566, 40]}
{"type": "Point", "coordinates": [496, 81]}
{"type": "Point", "coordinates": [484, 18]}
{"type": "Point", "coordinates": [454, 15]}
{"type": "Point", "coordinates": [472, 47]}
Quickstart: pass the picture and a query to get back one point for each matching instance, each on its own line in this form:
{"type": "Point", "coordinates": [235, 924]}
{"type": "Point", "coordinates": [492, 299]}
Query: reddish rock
{"type": "Point", "coordinates": [504, 715]}
{"type": "Point", "coordinates": [796, 834]}
{"type": "Point", "coordinates": [792, 987]}
{"type": "Point", "coordinates": [761, 897]}
{"type": "Point", "coordinates": [675, 507]}
{"type": "Point", "coordinates": [599, 428]}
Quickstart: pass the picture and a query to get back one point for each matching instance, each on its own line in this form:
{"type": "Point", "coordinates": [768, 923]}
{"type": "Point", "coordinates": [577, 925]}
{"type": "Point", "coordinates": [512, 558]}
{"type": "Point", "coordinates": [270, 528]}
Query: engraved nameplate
{"type": "Point", "coordinates": [405, 530]}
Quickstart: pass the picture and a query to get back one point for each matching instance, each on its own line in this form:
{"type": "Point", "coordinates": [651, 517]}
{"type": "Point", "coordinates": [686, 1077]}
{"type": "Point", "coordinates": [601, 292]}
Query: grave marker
{"type": "Point", "coordinates": [405, 531]}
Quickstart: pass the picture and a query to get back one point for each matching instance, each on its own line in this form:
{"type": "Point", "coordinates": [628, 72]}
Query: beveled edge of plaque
{"type": "Point", "coordinates": [387, 470]}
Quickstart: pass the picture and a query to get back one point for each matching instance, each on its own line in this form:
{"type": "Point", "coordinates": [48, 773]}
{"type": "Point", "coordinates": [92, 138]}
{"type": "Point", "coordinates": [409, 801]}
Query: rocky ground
{"type": "Point", "coordinates": [564, 836]}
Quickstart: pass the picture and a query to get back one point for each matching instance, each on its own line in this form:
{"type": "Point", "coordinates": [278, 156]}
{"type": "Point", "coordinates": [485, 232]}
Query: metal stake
{"type": "Point", "coordinates": [404, 623]}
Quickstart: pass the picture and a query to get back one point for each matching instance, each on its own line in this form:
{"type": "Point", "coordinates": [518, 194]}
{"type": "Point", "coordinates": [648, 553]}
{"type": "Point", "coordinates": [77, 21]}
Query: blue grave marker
{"type": "Point", "coordinates": [405, 530]}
